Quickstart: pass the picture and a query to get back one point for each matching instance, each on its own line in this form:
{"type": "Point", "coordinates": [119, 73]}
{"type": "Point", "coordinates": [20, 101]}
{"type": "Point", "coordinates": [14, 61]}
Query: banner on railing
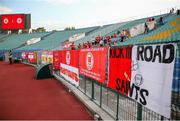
{"type": "Point", "coordinates": [32, 57]}
{"type": "Point", "coordinates": [47, 57]}
{"type": "Point", "coordinates": [44, 57]}
{"type": "Point", "coordinates": [56, 59]}
{"type": "Point", "coordinates": [120, 69]}
{"type": "Point", "coordinates": [50, 57]}
{"type": "Point", "coordinates": [69, 66]}
{"type": "Point", "coordinates": [24, 55]}
{"type": "Point", "coordinates": [92, 63]}
{"type": "Point", "coordinates": [152, 75]}
{"type": "Point", "coordinates": [145, 74]}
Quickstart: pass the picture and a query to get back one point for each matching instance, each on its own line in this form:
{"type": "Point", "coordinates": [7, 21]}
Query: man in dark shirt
{"type": "Point", "coordinates": [10, 57]}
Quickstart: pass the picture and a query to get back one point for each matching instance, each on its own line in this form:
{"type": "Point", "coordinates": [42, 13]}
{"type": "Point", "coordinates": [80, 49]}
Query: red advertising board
{"type": "Point", "coordinates": [120, 69]}
{"type": "Point", "coordinates": [56, 59]}
{"type": "Point", "coordinates": [13, 21]}
{"type": "Point", "coordinates": [93, 63]}
{"type": "Point", "coordinates": [32, 57]}
{"type": "Point", "coordinates": [69, 66]}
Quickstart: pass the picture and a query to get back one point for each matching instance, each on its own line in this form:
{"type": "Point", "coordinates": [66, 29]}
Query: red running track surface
{"type": "Point", "coordinates": [23, 97]}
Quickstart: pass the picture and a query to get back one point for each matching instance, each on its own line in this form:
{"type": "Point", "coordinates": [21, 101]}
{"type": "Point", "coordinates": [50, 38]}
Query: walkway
{"type": "Point", "coordinates": [23, 97]}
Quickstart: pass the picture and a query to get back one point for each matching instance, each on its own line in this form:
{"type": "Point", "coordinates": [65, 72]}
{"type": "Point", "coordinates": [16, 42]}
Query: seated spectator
{"type": "Point", "coordinates": [97, 40]}
{"type": "Point", "coordinates": [146, 28]}
{"type": "Point", "coordinates": [79, 46]}
{"type": "Point", "coordinates": [122, 37]}
{"type": "Point", "coordinates": [127, 33]}
{"type": "Point", "coordinates": [105, 41]}
{"type": "Point", "coordinates": [108, 37]}
{"type": "Point", "coordinates": [72, 46]}
{"type": "Point", "coordinates": [84, 45]}
{"type": "Point", "coordinates": [109, 41]}
{"type": "Point", "coordinates": [88, 44]}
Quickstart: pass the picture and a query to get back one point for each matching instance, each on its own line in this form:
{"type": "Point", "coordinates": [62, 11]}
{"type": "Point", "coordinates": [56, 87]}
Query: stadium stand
{"type": "Point", "coordinates": [15, 40]}
{"type": "Point", "coordinates": [102, 31]}
{"type": "Point", "coordinates": [56, 39]}
{"type": "Point", "coordinates": [167, 32]}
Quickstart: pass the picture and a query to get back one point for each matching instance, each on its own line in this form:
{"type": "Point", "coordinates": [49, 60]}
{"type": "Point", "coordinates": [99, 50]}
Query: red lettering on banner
{"type": "Point", "coordinates": [56, 59]}
{"type": "Point", "coordinates": [69, 65]}
{"type": "Point", "coordinates": [120, 69]}
{"type": "Point", "coordinates": [70, 74]}
{"type": "Point", "coordinates": [92, 63]}
{"type": "Point", "coordinates": [32, 57]}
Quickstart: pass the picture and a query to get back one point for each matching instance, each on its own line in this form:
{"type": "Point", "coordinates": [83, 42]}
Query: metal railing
{"type": "Point", "coordinates": [114, 103]}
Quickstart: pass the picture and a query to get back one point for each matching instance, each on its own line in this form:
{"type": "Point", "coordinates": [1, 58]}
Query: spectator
{"type": "Point", "coordinates": [146, 28]}
{"type": "Point", "coordinates": [88, 44]}
{"type": "Point", "coordinates": [109, 40]}
{"type": "Point", "coordinates": [84, 45]}
{"type": "Point", "coordinates": [97, 40]}
{"type": "Point", "coordinates": [72, 46]}
{"type": "Point", "coordinates": [101, 43]}
{"type": "Point", "coordinates": [79, 46]}
{"type": "Point", "coordinates": [172, 11]}
{"type": "Point", "coordinates": [93, 43]}
{"type": "Point", "coordinates": [115, 35]}
{"type": "Point", "coordinates": [161, 20]}
{"type": "Point", "coordinates": [152, 19]}
{"type": "Point", "coordinates": [10, 57]}
{"type": "Point", "coordinates": [178, 12]}
{"type": "Point", "coordinates": [122, 37]}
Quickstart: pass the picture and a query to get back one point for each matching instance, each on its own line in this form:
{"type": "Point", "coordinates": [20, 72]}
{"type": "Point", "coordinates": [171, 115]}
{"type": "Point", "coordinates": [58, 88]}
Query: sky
{"type": "Point", "coordinates": [58, 14]}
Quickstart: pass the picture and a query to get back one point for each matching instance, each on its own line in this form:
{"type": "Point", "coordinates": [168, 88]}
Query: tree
{"type": "Point", "coordinates": [40, 29]}
{"type": "Point", "coordinates": [69, 28]}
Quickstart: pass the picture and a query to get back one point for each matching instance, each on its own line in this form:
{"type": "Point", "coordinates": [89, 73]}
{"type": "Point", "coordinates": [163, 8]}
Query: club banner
{"type": "Point", "coordinates": [50, 57]}
{"type": "Point", "coordinates": [69, 66]}
{"type": "Point", "coordinates": [120, 69]}
{"type": "Point", "coordinates": [32, 57]}
{"type": "Point", "coordinates": [56, 59]}
{"type": "Point", "coordinates": [24, 55]}
{"type": "Point", "coordinates": [92, 63]}
{"type": "Point", "coordinates": [152, 75]}
{"type": "Point", "coordinates": [44, 57]}
{"type": "Point", "coordinates": [47, 57]}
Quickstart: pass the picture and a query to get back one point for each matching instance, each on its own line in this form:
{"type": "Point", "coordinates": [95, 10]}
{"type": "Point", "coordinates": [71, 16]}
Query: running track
{"type": "Point", "coordinates": [23, 97]}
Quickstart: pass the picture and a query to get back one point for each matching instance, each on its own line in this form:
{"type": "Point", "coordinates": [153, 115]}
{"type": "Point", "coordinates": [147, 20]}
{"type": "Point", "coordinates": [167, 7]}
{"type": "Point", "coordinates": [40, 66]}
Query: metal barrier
{"type": "Point", "coordinates": [116, 104]}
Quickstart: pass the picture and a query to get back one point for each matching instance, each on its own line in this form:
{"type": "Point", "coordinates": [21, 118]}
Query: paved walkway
{"type": "Point", "coordinates": [23, 97]}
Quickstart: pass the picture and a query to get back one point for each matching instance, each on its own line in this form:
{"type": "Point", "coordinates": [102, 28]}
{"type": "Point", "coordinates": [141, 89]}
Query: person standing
{"type": "Point", "coordinates": [10, 57]}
